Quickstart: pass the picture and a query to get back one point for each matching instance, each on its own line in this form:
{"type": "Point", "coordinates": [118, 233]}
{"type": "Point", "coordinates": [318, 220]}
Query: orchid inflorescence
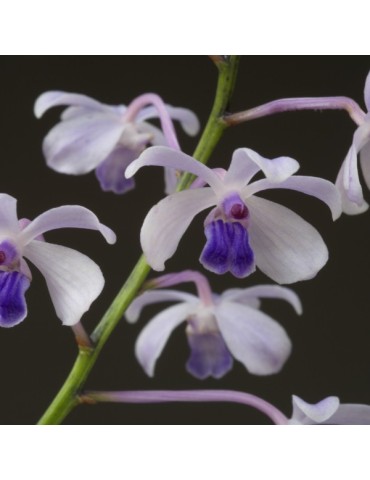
{"type": "Point", "coordinates": [243, 231]}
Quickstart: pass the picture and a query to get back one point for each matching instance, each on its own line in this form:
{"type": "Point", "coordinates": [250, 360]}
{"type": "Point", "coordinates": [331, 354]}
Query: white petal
{"type": "Point", "coordinates": [351, 180]}
{"type": "Point", "coordinates": [264, 291]}
{"type": "Point", "coordinates": [349, 207]}
{"type": "Point", "coordinates": [67, 216]}
{"type": "Point", "coordinates": [73, 279]}
{"type": "Point", "coordinates": [154, 336]}
{"type": "Point", "coordinates": [156, 296]}
{"type": "Point", "coordinates": [78, 145]}
{"type": "Point", "coordinates": [318, 412]}
{"type": "Point", "coordinates": [156, 133]}
{"type": "Point", "coordinates": [8, 214]}
{"type": "Point", "coordinates": [167, 222]}
{"type": "Point", "coordinates": [253, 338]}
{"type": "Point", "coordinates": [351, 414]}
{"type": "Point", "coordinates": [286, 247]}
{"type": "Point", "coordinates": [314, 186]}
{"type": "Point", "coordinates": [188, 120]}
{"type": "Point", "coordinates": [167, 157]}
{"type": "Point", "coordinates": [246, 163]}
{"type": "Point", "coordinates": [367, 92]}
{"type": "Point", "coordinates": [54, 98]}
{"type": "Point", "coordinates": [365, 163]}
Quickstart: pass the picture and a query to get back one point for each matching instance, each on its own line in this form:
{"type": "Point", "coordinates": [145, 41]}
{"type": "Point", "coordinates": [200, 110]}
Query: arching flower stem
{"type": "Point", "coordinates": [295, 104]}
{"type": "Point", "coordinates": [202, 285]}
{"type": "Point", "coordinates": [152, 99]}
{"type": "Point", "coordinates": [163, 396]}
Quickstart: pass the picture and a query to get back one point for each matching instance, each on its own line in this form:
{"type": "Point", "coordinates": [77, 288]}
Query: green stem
{"type": "Point", "coordinates": [216, 125]}
{"type": "Point", "coordinates": [67, 398]}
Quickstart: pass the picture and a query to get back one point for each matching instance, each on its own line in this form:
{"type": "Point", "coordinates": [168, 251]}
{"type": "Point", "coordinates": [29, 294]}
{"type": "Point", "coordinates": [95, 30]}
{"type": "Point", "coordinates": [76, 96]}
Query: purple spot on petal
{"type": "Point", "coordinates": [209, 356]}
{"type": "Point", "coordinates": [8, 253]}
{"type": "Point", "coordinates": [234, 208]}
{"type": "Point", "coordinates": [13, 308]}
{"type": "Point", "coordinates": [227, 249]}
{"type": "Point", "coordinates": [111, 172]}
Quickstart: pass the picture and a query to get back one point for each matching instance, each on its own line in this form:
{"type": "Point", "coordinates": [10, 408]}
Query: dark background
{"type": "Point", "coordinates": [331, 354]}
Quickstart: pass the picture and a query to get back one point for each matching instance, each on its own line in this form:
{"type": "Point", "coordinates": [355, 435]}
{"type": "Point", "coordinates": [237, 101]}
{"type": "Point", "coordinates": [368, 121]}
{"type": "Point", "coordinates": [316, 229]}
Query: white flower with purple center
{"type": "Point", "coordinates": [107, 138]}
{"type": "Point", "coordinates": [348, 181]}
{"type": "Point", "coordinates": [73, 279]}
{"type": "Point", "coordinates": [243, 231]}
{"type": "Point", "coordinates": [329, 412]}
{"type": "Point", "coordinates": [219, 327]}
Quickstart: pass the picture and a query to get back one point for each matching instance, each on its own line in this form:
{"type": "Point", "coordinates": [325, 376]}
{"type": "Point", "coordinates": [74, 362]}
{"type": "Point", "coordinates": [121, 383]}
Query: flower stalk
{"type": "Point", "coordinates": [163, 396]}
{"type": "Point", "coordinates": [67, 398]}
{"type": "Point", "coordinates": [296, 104]}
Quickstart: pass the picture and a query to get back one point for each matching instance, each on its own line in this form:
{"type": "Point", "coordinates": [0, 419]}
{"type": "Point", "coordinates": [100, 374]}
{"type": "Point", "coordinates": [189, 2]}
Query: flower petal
{"type": "Point", "coordinates": [73, 279]}
{"type": "Point", "coordinates": [351, 414]}
{"type": "Point", "coordinates": [111, 172]}
{"type": "Point", "coordinates": [167, 221]}
{"type": "Point", "coordinates": [246, 163]}
{"type": "Point", "coordinates": [263, 291]}
{"type": "Point", "coordinates": [154, 336]}
{"type": "Point", "coordinates": [13, 307]}
{"type": "Point", "coordinates": [286, 247]}
{"type": "Point", "coordinates": [319, 412]}
{"type": "Point", "coordinates": [253, 338]}
{"type": "Point", "coordinates": [67, 216]}
{"type": "Point", "coordinates": [78, 145]}
{"type": "Point", "coordinates": [8, 214]}
{"type": "Point", "coordinates": [156, 296]}
{"type": "Point", "coordinates": [365, 163]}
{"type": "Point", "coordinates": [227, 249]}
{"type": "Point", "coordinates": [188, 120]}
{"type": "Point", "coordinates": [314, 186]}
{"type": "Point", "coordinates": [54, 98]}
{"type": "Point", "coordinates": [168, 157]}
{"type": "Point", "coordinates": [209, 356]}
{"type": "Point", "coordinates": [349, 207]}
{"type": "Point", "coordinates": [367, 92]}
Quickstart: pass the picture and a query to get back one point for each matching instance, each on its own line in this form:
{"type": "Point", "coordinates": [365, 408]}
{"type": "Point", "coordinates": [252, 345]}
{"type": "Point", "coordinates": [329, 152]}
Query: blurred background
{"type": "Point", "coordinates": [331, 354]}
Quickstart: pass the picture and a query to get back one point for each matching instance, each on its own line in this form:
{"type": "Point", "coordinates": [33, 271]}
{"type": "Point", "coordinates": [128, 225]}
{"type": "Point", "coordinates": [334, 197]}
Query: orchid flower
{"type": "Point", "coordinates": [329, 412]}
{"type": "Point", "coordinates": [243, 231]}
{"type": "Point", "coordinates": [106, 138]}
{"type": "Point", "coordinates": [219, 327]}
{"type": "Point", "coordinates": [74, 281]}
{"type": "Point", "coordinates": [348, 181]}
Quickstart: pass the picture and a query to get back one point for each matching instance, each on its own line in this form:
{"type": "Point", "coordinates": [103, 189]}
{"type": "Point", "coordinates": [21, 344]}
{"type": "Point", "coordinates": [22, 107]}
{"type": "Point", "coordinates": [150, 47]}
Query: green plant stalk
{"type": "Point", "coordinates": [67, 398]}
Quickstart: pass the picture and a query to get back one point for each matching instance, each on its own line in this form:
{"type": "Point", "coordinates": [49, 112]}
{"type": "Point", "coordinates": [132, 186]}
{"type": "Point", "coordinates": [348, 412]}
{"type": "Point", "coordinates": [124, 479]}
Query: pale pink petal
{"type": "Point", "coordinates": [314, 186]}
{"type": "Point", "coordinates": [351, 180]}
{"type": "Point", "coordinates": [319, 412]}
{"type": "Point", "coordinates": [156, 296]}
{"type": "Point", "coordinates": [286, 247]}
{"type": "Point", "coordinates": [167, 157]}
{"type": "Point", "coordinates": [188, 120]}
{"type": "Point", "coordinates": [55, 98]}
{"type": "Point", "coordinates": [8, 214]}
{"type": "Point", "coordinates": [365, 163]}
{"type": "Point", "coordinates": [253, 338]}
{"type": "Point", "coordinates": [80, 144]}
{"type": "Point", "coordinates": [367, 92]}
{"type": "Point", "coordinates": [157, 137]}
{"type": "Point", "coordinates": [246, 163]}
{"type": "Point", "coordinates": [74, 281]}
{"type": "Point", "coordinates": [264, 291]}
{"type": "Point", "coordinates": [67, 216]}
{"type": "Point", "coordinates": [154, 336]}
{"type": "Point", "coordinates": [167, 222]}
{"type": "Point", "coordinates": [350, 414]}
{"type": "Point", "coordinates": [349, 207]}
